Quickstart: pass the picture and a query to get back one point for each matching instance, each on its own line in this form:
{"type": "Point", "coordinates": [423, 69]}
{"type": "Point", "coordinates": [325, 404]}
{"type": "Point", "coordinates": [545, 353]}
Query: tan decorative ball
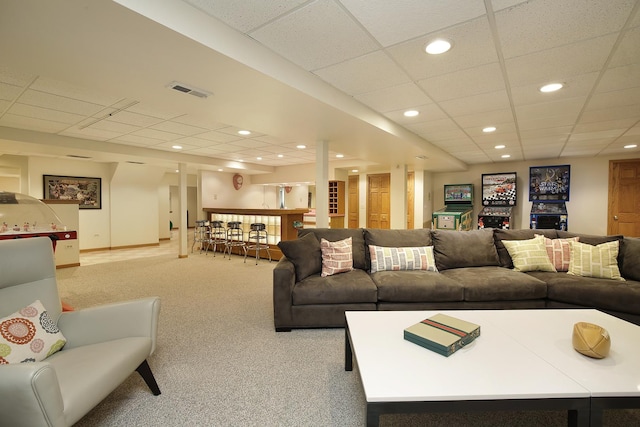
{"type": "Point", "coordinates": [591, 340]}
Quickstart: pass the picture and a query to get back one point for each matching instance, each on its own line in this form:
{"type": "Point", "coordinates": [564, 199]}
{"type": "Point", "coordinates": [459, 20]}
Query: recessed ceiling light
{"type": "Point", "coordinates": [506, 156]}
{"type": "Point", "coordinates": [489, 129]}
{"type": "Point", "coordinates": [438, 46]}
{"type": "Point", "coordinates": [258, 158]}
{"type": "Point", "coordinates": [220, 170]}
{"type": "Point", "coordinates": [631, 146]}
{"type": "Point", "coordinates": [354, 170]}
{"type": "Point", "coordinates": [301, 146]}
{"type": "Point", "coordinates": [280, 156]}
{"type": "Point", "coordinates": [411, 113]}
{"type": "Point", "coordinates": [339, 156]}
{"type": "Point", "coordinates": [499, 147]}
{"type": "Point", "coordinates": [177, 147]}
{"type": "Point", "coordinates": [551, 87]}
{"type": "Point", "coordinates": [177, 170]}
{"type": "Point", "coordinates": [244, 132]}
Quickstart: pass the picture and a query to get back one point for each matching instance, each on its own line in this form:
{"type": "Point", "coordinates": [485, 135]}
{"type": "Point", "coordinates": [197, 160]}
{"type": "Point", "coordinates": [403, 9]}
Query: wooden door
{"type": "Point", "coordinates": [410, 199]}
{"type": "Point", "coordinates": [624, 198]}
{"type": "Point", "coordinates": [379, 201]}
{"type": "Point", "coordinates": [353, 214]}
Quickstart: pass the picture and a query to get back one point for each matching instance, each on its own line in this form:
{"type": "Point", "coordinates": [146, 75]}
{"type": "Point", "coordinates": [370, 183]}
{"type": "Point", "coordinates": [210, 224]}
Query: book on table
{"type": "Point", "coordinates": [443, 334]}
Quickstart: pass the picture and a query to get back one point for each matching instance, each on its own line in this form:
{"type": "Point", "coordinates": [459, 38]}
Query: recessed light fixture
{"type": "Point", "coordinates": [411, 113]}
{"type": "Point", "coordinates": [339, 156]}
{"type": "Point", "coordinates": [438, 46]}
{"type": "Point", "coordinates": [258, 158]}
{"type": "Point", "coordinates": [220, 170]}
{"type": "Point", "coordinates": [631, 146]}
{"type": "Point", "coordinates": [244, 132]}
{"type": "Point", "coordinates": [489, 129]}
{"type": "Point", "coordinates": [354, 170]}
{"type": "Point", "coordinates": [280, 156]}
{"type": "Point", "coordinates": [301, 146]}
{"type": "Point", "coordinates": [177, 147]}
{"type": "Point", "coordinates": [551, 87]}
{"type": "Point", "coordinates": [499, 147]}
{"type": "Point", "coordinates": [177, 170]}
{"type": "Point", "coordinates": [506, 156]}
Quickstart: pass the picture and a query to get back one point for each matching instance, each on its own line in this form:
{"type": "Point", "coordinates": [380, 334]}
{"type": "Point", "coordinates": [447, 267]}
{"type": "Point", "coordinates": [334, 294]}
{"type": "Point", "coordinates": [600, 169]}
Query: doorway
{"type": "Point", "coordinates": [354, 202]}
{"type": "Point", "coordinates": [623, 216]}
{"type": "Point", "coordinates": [379, 201]}
{"type": "Point", "coordinates": [410, 199]}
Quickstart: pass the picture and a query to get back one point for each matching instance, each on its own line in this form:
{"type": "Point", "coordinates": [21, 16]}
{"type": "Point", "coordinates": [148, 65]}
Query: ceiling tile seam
{"type": "Point", "coordinates": [491, 18]}
{"type": "Point", "coordinates": [117, 110]}
{"type": "Point", "coordinates": [149, 126]}
{"type": "Point", "coordinates": [13, 102]}
{"type": "Point", "coordinates": [625, 28]}
{"type": "Point", "coordinates": [272, 20]}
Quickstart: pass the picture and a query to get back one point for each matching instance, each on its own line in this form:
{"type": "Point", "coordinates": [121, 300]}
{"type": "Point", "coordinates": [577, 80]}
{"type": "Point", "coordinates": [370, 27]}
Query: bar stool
{"type": "Point", "coordinates": [235, 238]}
{"type": "Point", "coordinates": [200, 234]}
{"type": "Point", "coordinates": [257, 235]}
{"type": "Point", "coordinates": [217, 235]}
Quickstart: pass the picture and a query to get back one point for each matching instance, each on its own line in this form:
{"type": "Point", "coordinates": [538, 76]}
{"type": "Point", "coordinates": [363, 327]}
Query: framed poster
{"type": "Point", "coordinates": [549, 183]}
{"type": "Point", "coordinates": [88, 191]}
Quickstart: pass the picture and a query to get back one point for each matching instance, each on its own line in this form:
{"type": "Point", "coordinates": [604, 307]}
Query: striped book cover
{"type": "Point", "coordinates": [443, 334]}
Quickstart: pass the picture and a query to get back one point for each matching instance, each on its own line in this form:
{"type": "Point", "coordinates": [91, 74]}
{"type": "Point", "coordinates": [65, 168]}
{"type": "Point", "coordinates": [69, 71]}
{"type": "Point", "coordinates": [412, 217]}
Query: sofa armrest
{"type": "Point", "coordinates": [135, 318]}
{"type": "Point", "coordinates": [284, 279]}
{"type": "Point", "coordinates": [30, 395]}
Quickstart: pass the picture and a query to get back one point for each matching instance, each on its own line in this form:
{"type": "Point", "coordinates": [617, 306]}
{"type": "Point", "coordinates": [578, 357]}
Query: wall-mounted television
{"type": "Point", "coordinates": [458, 194]}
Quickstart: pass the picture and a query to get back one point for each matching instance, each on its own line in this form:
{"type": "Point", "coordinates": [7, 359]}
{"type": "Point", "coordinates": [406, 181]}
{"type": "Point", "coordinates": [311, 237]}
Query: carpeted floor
{"type": "Point", "coordinates": [219, 361]}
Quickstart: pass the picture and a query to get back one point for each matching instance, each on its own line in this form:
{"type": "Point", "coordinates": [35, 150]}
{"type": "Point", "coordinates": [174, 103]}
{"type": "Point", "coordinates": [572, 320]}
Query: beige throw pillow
{"type": "Point", "coordinates": [529, 255]}
{"type": "Point", "coordinates": [599, 261]}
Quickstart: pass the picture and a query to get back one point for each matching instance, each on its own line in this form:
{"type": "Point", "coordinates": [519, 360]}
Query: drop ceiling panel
{"type": "Point", "coordinates": [486, 118]}
{"type": "Point", "coordinates": [136, 140]}
{"type": "Point", "coordinates": [416, 19]}
{"type": "Point", "coordinates": [91, 133]}
{"type": "Point", "coordinates": [476, 103]}
{"type": "Point", "coordinates": [469, 82]}
{"type": "Point", "coordinates": [623, 124]}
{"type": "Point", "coordinates": [609, 114]}
{"type": "Point", "coordinates": [545, 24]}
{"type": "Point", "coordinates": [113, 126]}
{"type": "Point", "coordinates": [314, 36]}
{"type": "Point", "coordinates": [364, 74]}
{"type": "Point", "coordinates": [620, 78]}
{"type": "Point", "coordinates": [427, 112]}
{"type": "Point", "coordinates": [178, 128]}
{"type": "Point", "coordinates": [219, 137]}
{"type": "Point", "coordinates": [45, 114]}
{"type": "Point", "coordinates": [568, 108]}
{"type": "Point", "coordinates": [393, 98]}
{"type": "Point", "coordinates": [9, 92]}
{"type": "Point", "coordinates": [576, 86]}
{"type": "Point", "coordinates": [619, 98]}
{"type": "Point", "coordinates": [473, 47]}
{"type": "Point", "coordinates": [30, 123]}
{"type": "Point", "coordinates": [61, 103]}
{"type": "Point", "coordinates": [434, 126]}
{"type": "Point", "coordinates": [134, 119]}
{"type": "Point", "coordinates": [627, 52]}
{"type": "Point", "coordinates": [157, 134]}
{"type": "Point", "coordinates": [66, 90]}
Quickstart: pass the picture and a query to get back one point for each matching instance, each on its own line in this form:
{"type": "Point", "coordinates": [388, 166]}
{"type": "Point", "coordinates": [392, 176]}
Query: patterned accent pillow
{"type": "Point", "coordinates": [529, 255]}
{"type": "Point", "coordinates": [595, 261]}
{"type": "Point", "coordinates": [559, 252]}
{"type": "Point", "coordinates": [337, 257]}
{"type": "Point", "coordinates": [406, 258]}
{"type": "Point", "coordinates": [29, 335]}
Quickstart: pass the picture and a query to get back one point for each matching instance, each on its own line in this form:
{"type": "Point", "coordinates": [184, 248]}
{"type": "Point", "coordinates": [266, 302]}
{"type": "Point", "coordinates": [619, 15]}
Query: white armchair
{"type": "Point", "coordinates": [105, 344]}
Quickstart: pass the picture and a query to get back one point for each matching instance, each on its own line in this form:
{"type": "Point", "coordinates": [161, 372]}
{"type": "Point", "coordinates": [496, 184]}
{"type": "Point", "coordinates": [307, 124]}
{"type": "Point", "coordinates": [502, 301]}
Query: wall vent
{"type": "Point", "coordinates": [184, 88]}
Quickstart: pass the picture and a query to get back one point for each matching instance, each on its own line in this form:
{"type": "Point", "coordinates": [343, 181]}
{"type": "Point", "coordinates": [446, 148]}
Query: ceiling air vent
{"type": "Point", "coordinates": [181, 87]}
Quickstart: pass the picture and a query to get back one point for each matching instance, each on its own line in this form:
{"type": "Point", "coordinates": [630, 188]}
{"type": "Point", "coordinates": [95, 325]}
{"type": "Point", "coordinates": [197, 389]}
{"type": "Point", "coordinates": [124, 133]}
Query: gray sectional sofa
{"type": "Point", "coordinates": [474, 271]}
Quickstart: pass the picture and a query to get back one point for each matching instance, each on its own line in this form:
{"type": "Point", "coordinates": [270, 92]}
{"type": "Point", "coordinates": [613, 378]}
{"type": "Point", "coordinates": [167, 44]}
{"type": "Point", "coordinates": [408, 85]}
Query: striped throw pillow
{"type": "Point", "coordinates": [595, 261]}
{"type": "Point", "coordinates": [408, 258]}
{"type": "Point", "coordinates": [529, 255]}
{"type": "Point", "coordinates": [559, 252]}
{"type": "Point", "coordinates": [337, 257]}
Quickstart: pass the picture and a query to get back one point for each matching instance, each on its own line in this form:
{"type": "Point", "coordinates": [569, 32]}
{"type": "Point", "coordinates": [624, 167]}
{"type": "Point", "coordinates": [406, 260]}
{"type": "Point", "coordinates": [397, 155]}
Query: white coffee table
{"type": "Point", "coordinates": [522, 361]}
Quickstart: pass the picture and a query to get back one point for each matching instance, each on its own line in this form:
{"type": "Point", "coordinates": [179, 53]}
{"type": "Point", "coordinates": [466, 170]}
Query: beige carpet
{"type": "Point", "coordinates": [219, 361]}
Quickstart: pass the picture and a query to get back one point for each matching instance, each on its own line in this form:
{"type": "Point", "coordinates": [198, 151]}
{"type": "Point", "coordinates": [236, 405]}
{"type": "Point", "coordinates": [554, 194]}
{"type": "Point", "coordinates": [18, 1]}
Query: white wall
{"type": "Point", "coordinates": [218, 192]}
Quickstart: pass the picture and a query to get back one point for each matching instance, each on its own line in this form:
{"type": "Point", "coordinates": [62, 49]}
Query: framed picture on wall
{"type": "Point", "coordinates": [87, 191]}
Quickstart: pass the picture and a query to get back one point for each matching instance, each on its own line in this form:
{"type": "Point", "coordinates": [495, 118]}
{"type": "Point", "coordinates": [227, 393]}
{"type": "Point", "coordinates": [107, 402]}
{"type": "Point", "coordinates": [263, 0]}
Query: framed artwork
{"type": "Point", "coordinates": [87, 191]}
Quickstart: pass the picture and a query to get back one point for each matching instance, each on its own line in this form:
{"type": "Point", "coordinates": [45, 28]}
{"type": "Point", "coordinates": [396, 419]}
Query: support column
{"type": "Point", "coordinates": [322, 184]}
{"type": "Point", "coordinates": [399, 197]}
{"type": "Point", "coordinates": [184, 232]}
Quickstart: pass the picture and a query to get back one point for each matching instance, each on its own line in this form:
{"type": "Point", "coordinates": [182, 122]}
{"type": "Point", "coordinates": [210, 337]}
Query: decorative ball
{"type": "Point", "coordinates": [591, 340]}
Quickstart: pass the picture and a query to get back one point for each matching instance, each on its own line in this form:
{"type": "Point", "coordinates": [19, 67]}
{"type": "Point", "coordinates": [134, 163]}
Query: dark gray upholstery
{"type": "Point", "coordinates": [475, 272]}
{"type": "Point", "coordinates": [304, 253]}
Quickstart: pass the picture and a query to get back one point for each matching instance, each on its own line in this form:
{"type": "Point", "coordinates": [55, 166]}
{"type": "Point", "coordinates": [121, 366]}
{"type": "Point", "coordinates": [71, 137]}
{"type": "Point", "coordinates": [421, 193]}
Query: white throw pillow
{"type": "Point", "coordinates": [404, 258]}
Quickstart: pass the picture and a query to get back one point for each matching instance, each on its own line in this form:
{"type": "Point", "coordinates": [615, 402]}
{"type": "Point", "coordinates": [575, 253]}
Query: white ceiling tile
{"type": "Point", "coordinates": [620, 78]}
{"type": "Point", "coordinates": [438, 137]}
{"type": "Point", "coordinates": [9, 92]}
{"type": "Point", "coordinates": [624, 124]}
{"type": "Point", "coordinates": [562, 131]}
{"type": "Point", "coordinates": [576, 86]}
{"type": "Point", "coordinates": [179, 128]}
{"type": "Point", "coordinates": [560, 63]}
{"type": "Point", "coordinates": [427, 112]}
{"type": "Point", "coordinates": [394, 98]}
{"type": "Point", "coordinates": [134, 119]}
{"type": "Point", "coordinates": [245, 15]}
{"type": "Point", "coordinates": [472, 46]}
{"type": "Point", "coordinates": [137, 140]}
{"type": "Point", "coordinates": [610, 114]}
{"type": "Point", "coordinates": [503, 4]}
{"type": "Point", "coordinates": [3, 106]}
{"type": "Point", "coordinates": [198, 122]}
{"type": "Point", "coordinates": [417, 18]}
{"type": "Point", "coordinates": [543, 122]}
{"type": "Point", "coordinates": [61, 103]}
{"type": "Point", "coordinates": [568, 108]}
{"type": "Point", "coordinates": [22, 122]}
{"type": "Point", "coordinates": [596, 136]}
{"type": "Point", "coordinates": [220, 137]}
{"type": "Point", "coordinates": [486, 118]}
{"type": "Point", "coordinates": [364, 74]}
{"type": "Point", "coordinates": [315, 36]}
{"type": "Point", "coordinates": [628, 52]}
{"type": "Point", "coordinates": [473, 81]}
{"type": "Point", "coordinates": [64, 89]}
{"type": "Point", "coordinates": [476, 103]}
{"type": "Point", "coordinates": [619, 98]}
{"type": "Point", "coordinates": [12, 77]}
{"type": "Point", "coordinates": [532, 153]}
{"type": "Point", "coordinates": [248, 143]}
{"type": "Point", "coordinates": [157, 134]}
{"type": "Point", "coordinates": [195, 142]}
{"type": "Point", "coordinates": [113, 126]}
{"type": "Point", "coordinates": [168, 146]}
{"type": "Point", "coordinates": [45, 114]}
{"type": "Point", "coordinates": [440, 125]}
{"type": "Point", "coordinates": [91, 133]}
{"type": "Point", "coordinates": [544, 24]}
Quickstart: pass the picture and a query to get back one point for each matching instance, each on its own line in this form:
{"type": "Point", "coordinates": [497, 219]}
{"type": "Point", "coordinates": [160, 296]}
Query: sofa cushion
{"type": "Point", "coordinates": [499, 235]}
{"type": "Point", "coordinates": [529, 255]}
{"type": "Point", "coordinates": [590, 239]}
{"type": "Point", "coordinates": [497, 284]}
{"type": "Point", "coordinates": [304, 253]}
{"type": "Point", "coordinates": [397, 238]}
{"type": "Point", "coordinates": [337, 257]}
{"type": "Point", "coordinates": [406, 258]}
{"type": "Point", "coordinates": [599, 261]}
{"type": "Point", "coordinates": [416, 286]}
{"type": "Point", "coordinates": [604, 294]}
{"type": "Point", "coordinates": [354, 286]}
{"type": "Point", "coordinates": [360, 254]}
{"type": "Point", "coordinates": [559, 252]}
{"type": "Point", "coordinates": [29, 335]}
{"type": "Point", "coordinates": [456, 249]}
{"type": "Point", "coordinates": [630, 258]}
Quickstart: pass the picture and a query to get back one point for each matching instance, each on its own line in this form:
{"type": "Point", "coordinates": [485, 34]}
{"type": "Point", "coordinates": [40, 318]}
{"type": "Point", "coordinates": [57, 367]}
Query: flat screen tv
{"type": "Point", "coordinates": [458, 194]}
